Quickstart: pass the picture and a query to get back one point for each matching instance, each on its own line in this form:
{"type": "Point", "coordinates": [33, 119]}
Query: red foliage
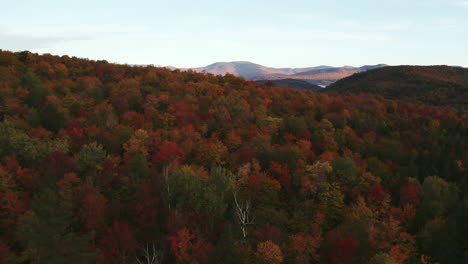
{"type": "Point", "coordinates": [340, 248]}
{"type": "Point", "coordinates": [118, 244]}
{"type": "Point", "coordinates": [92, 208]}
{"type": "Point", "coordinates": [146, 205]}
{"type": "Point", "coordinates": [4, 254]}
{"type": "Point", "coordinates": [409, 194]}
{"type": "Point", "coordinates": [187, 249]}
{"type": "Point", "coordinates": [305, 134]}
{"type": "Point", "coordinates": [11, 208]}
{"type": "Point", "coordinates": [134, 120]}
{"type": "Point", "coordinates": [168, 152]}
{"type": "Point", "coordinates": [244, 155]}
{"type": "Point", "coordinates": [75, 132]}
{"type": "Point", "coordinates": [346, 249]}
{"type": "Point", "coordinates": [377, 193]}
{"type": "Point", "coordinates": [280, 173]}
{"type": "Point", "coordinates": [58, 163]}
{"type": "Point", "coordinates": [303, 247]}
{"type": "Point", "coordinates": [269, 232]}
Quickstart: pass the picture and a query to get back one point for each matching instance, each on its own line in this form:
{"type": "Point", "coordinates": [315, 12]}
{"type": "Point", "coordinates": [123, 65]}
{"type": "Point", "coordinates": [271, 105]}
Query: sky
{"type": "Point", "coordinates": [287, 33]}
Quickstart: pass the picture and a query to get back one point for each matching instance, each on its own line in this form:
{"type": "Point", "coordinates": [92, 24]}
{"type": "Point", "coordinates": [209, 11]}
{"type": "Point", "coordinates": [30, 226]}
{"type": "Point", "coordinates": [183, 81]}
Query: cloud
{"type": "Point", "coordinates": [17, 42]}
{"type": "Point", "coordinates": [462, 3]}
{"type": "Point", "coordinates": [33, 38]}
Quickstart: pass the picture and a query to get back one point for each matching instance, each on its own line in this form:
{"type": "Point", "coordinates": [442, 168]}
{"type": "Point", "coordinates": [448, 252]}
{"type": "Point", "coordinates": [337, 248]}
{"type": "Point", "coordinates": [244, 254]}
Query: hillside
{"type": "Point", "coordinates": [291, 83]}
{"type": "Point", "coordinates": [107, 163]}
{"type": "Point", "coordinates": [435, 85]}
{"type": "Point", "coordinates": [326, 76]}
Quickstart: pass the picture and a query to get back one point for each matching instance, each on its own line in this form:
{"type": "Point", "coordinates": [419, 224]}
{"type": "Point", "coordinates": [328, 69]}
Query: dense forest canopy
{"type": "Point", "coordinates": [108, 163]}
{"type": "Point", "coordinates": [434, 85]}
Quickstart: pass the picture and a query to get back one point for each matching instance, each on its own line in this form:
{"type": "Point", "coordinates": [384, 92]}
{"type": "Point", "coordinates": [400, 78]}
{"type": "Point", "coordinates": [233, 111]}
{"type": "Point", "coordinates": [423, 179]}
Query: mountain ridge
{"type": "Point", "coordinates": [439, 85]}
{"type": "Point", "coordinates": [254, 71]}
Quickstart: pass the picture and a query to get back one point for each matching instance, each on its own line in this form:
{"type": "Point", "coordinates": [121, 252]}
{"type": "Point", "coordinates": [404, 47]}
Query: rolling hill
{"type": "Point", "coordinates": [292, 83]}
{"type": "Point", "coordinates": [434, 85]}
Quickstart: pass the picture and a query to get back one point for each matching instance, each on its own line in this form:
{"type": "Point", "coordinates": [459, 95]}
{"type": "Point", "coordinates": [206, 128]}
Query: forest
{"type": "Point", "coordinates": [117, 164]}
{"type": "Point", "coordinates": [432, 85]}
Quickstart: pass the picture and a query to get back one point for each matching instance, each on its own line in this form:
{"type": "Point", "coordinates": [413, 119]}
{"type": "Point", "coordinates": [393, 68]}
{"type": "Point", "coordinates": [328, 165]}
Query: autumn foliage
{"type": "Point", "coordinates": [108, 163]}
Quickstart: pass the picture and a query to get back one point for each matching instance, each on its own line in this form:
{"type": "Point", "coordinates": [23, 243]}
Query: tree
{"type": "Point", "coordinates": [333, 200]}
{"type": "Point", "coordinates": [340, 248]}
{"type": "Point", "coordinates": [201, 193]}
{"type": "Point", "coordinates": [437, 198]}
{"type": "Point", "coordinates": [92, 208]}
{"type": "Point", "coordinates": [89, 157]}
{"type": "Point", "coordinates": [188, 249]}
{"type": "Point", "coordinates": [118, 244]}
{"type": "Point", "coordinates": [345, 170]}
{"type": "Point", "coordinates": [36, 92]}
{"type": "Point", "coordinates": [382, 258]}
{"type": "Point", "coordinates": [51, 118]}
{"type": "Point", "coordinates": [47, 235]}
{"type": "Point", "coordinates": [269, 253]}
{"type": "Point", "coordinates": [304, 247]}
{"type": "Point", "coordinates": [181, 246]}
{"type": "Point", "coordinates": [146, 208]}
{"type": "Point", "coordinates": [11, 208]}
{"type": "Point", "coordinates": [212, 153]}
{"type": "Point", "coordinates": [5, 254]}
{"type": "Point", "coordinates": [244, 214]}
{"type": "Point", "coordinates": [150, 255]}
{"type": "Point", "coordinates": [409, 193]}
{"type": "Point", "coordinates": [169, 155]}
{"type": "Point", "coordinates": [377, 193]}
{"type": "Point", "coordinates": [138, 168]}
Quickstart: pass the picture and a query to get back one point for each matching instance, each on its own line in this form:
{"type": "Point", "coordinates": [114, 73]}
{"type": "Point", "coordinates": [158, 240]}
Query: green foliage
{"type": "Point", "coordinates": [203, 194]}
{"type": "Point", "coordinates": [333, 200]}
{"type": "Point", "coordinates": [51, 118]}
{"type": "Point", "coordinates": [89, 157]}
{"type": "Point", "coordinates": [438, 197]}
{"type": "Point", "coordinates": [345, 170]}
{"type": "Point", "coordinates": [47, 236]}
{"type": "Point", "coordinates": [37, 93]}
{"type": "Point", "coordinates": [138, 168]}
{"type": "Point", "coordinates": [7, 130]}
{"type": "Point", "coordinates": [382, 258]}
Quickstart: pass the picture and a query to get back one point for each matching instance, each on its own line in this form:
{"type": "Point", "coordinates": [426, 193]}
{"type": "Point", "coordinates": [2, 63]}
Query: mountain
{"type": "Point", "coordinates": [325, 76]}
{"type": "Point", "coordinates": [292, 83]}
{"type": "Point", "coordinates": [319, 75]}
{"type": "Point", "coordinates": [435, 85]}
{"type": "Point", "coordinates": [250, 70]}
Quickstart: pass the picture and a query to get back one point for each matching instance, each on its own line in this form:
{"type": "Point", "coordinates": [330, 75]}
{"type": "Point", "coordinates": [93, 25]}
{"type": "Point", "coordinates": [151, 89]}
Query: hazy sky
{"type": "Point", "coordinates": [293, 33]}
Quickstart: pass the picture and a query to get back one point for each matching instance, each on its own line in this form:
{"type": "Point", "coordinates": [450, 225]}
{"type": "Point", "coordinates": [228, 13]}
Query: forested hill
{"type": "Point", "coordinates": [434, 85]}
{"type": "Point", "coordinates": [107, 163]}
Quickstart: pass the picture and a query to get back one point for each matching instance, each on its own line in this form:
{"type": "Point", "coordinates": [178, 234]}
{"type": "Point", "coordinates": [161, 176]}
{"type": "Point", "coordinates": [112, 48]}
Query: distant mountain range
{"type": "Point", "coordinates": [318, 75]}
{"type": "Point", "coordinates": [434, 85]}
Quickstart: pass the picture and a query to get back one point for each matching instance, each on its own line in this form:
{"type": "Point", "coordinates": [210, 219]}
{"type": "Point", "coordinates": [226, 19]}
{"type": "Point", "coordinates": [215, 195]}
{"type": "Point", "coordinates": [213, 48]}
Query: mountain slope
{"type": "Point", "coordinates": [292, 83]}
{"type": "Point", "coordinates": [435, 85]}
{"type": "Point", "coordinates": [327, 76]}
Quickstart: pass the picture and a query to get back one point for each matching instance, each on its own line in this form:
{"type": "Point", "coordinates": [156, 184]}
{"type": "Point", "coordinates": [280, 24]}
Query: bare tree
{"type": "Point", "coordinates": [243, 212]}
{"type": "Point", "coordinates": [150, 255]}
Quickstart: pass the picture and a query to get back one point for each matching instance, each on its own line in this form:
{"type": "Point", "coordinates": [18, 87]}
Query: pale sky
{"type": "Point", "coordinates": [289, 33]}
